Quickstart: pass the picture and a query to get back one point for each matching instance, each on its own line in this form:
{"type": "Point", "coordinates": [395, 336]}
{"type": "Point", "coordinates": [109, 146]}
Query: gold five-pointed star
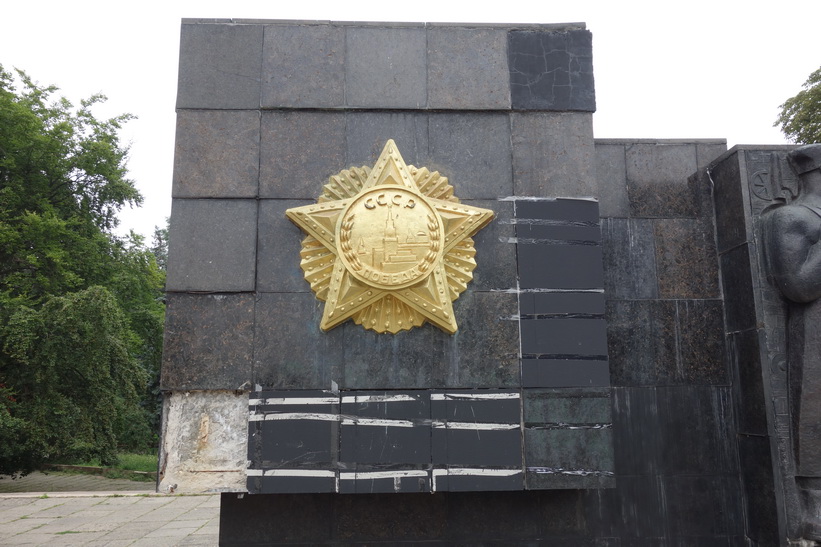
{"type": "Point", "coordinates": [389, 247]}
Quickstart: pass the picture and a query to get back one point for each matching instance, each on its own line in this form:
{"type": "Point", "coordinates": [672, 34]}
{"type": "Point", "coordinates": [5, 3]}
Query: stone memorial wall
{"type": "Point", "coordinates": [595, 391]}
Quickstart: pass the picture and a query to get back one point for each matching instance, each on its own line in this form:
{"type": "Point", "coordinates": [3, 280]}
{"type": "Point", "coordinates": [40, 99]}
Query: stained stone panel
{"type": "Point", "coordinates": [216, 154]}
{"type": "Point", "coordinates": [220, 66]}
{"type": "Point", "coordinates": [208, 342]}
{"type": "Point", "coordinates": [467, 68]}
{"type": "Point", "coordinates": [303, 66]}
{"type": "Point", "coordinates": [657, 180]}
{"type": "Point", "coordinates": [629, 249]}
{"type": "Point", "coordinates": [685, 259]}
{"type": "Point", "coordinates": [641, 341]}
{"type": "Point", "coordinates": [473, 151]}
{"type": "Point", "coordinates": [280, 360]}
{"type": "Point", "coordinates": [299, 151]}
{"type": "Point", "coordinates": [367, 132]}
{"type": "Point", "coordinates": [495, 250]}
{"type": "Point", "coordinates": [737, 284]}
{"type": "Point", "coordinates": [278, 247]}
{"type": "Point", "coordinates": [553, 154]}
{"type": "Point", "coordinates": [386, 67]}
{"type": "Point", "coordinates": [611, 172]}
{"type": "Point", "coordinates": [215, 245]}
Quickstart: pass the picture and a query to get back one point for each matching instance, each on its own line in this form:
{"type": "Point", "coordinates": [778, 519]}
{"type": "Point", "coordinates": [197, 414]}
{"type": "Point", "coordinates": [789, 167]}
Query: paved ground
{"type": "Point", "coordinates": [92, 510]}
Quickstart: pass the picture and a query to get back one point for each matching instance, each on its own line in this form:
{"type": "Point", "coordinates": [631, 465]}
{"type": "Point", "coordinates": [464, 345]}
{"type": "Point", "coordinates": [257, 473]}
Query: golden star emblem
{"type": "Point", "coordinates": [389, 247]}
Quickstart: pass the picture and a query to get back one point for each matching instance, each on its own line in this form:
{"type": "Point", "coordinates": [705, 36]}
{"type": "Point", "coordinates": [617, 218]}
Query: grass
{"type": "Point", "coordinates": [126, 462]}
{"type": "Point", "coordinates": [125, 467]}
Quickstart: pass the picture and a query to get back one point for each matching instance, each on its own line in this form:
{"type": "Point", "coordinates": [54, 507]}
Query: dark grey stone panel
{"type": "Point", "coordinates": [702, 358]}
{"type": "Point", "coordinates": [386, 518]}
{"type": "Point", "coordinates": [220, 66]}
{"type": "Point", "coordinates": [208, 341]}
{"type": "Point", "coordinates": [491, 518]}
{"type": "Point", "coordinates": [299, 151]}
{"type": "Point", "coordinates": [587, 337]}
{"type": "Point", "coordinates": [696, 422]}
{"type": "Point", "coordinates": [548, 479]}
{"type": "Point", "coordinates": [487, 342]}
{"type": "Point", "coordinates": [657, 180]}
{"type": "Point", "coordinates": [737, 285]}
{"type": "Point", "coordinates": [629, 250]}
{"type": "Point", "coordinates": [290, 352]}
{"type": "Point", "coordinates": [565, 373]}
{"type": "Point", "coordinates": [470, 448]}
{"type": "Point", "coordinates": [553, 154]}
{"type": "Point", "coordinates": [216, 245]}
{"type": "Point", "coordinates": [296, 485]}
{"type": "Point", "coordinates": [560, 266]}
{"type": "Point", "coordinates": [571, 450]}
{"type": "Point", "coordinates": [495, 252]}
{"type": "Point", "coordinates": [364, 485]}
{"type": "Point", "coordinates": [216, 154]}
{"type": "Point", "coordinates": [480, 483]}
{"type": "Point", "coordinates": [483, 352]}
{"type": "Point", "coordinates": [463, 406]}
{"type": "Point", "coordinates": [386, 67]}
{"type": "Point", "coordinates": [537, 303]}
{"type": "Point", "coordinates": [759, 489]}
{"type": "Point", "coordinates": [576, 235]}
{"type": "Point", "coordinates": [297, 442]}
{"type": "Point", "coordinates": [278, 246]}
{"type": "Point", "coordinates": [568, 406]}
{"type": "Point", "coordinates": [641, 341]}
{"type": "Point", "coordinates": [248, 519]}
{"type": "Point", "coordinates": [367, 133]}
{"type": "Point", "coordinates": [635, 412]}
{"type": "Point", "coordinates": [419, 358]}
{"type": "Point", "coordinates": [473, 151]}
{"type": "Point", "coordinates": [611, 174]}
{"type": "Point", "coordinates": [709, 151]}
{"type": "Point", "coordinates": [704, 509]}
{"type": "Point", "coordinates": [638, 510]}
{"type": "Point", "coordinates": [686, 260]}
{"type": "Point", "coordinates": [362, 442]}
{"type": "Point", "coordinates": [571, 210]}
{"type": "Point", "coordinates": [731, 225]}
{"type": "Point", "coordinates": [482, 518]}
{"type": "Point", "coordinates": [303, 66]}
{"type": "Point", "coordinates": [467, 68]}
{"type": "Point", "coordinates": [745, 363]}
{"type": "Point", "coordinates": [551, 70]}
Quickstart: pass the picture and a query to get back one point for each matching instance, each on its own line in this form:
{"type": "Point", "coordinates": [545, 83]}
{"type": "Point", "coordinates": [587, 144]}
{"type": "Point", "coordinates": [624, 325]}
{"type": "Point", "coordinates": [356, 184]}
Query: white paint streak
{"type": "Point", "coordinates": [294, 416]}
{"type": "Point", "coordinates": [353, 420]}
{"type": "Point", "coordinates": [296, 401]}
{"type": "Point", "coordinates": [471, 396]}
{"type": "Point", "coordinates": [297, 473]}
{"type": "Point", "coordinates": [475, 426]}
{"type": "Point", "coordinates": [353, 475]}
{"type": "Point", "coordinates": [378, 399]}
{"type": "Point", "coordinates": [477, 472]}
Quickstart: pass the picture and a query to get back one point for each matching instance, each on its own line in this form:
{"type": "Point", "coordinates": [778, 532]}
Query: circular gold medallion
{"type": "Point", "coordinates": [390, 237]}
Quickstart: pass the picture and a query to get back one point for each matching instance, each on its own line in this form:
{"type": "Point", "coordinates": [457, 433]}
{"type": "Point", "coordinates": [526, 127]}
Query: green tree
{"type": "Point", "coordinates": [81, 310]}
{"type": "Point", "coordinates": [800, 117]}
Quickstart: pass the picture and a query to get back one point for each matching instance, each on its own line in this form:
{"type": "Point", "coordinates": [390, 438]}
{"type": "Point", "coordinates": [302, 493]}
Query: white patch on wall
{"type": "Point", "coordinates": [204, 442]}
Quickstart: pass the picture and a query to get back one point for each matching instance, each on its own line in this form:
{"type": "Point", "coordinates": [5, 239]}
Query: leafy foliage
{"type": "Point", "coordinates": [800, 117]}
{"type": "Point", "coordinates": [81, 310]}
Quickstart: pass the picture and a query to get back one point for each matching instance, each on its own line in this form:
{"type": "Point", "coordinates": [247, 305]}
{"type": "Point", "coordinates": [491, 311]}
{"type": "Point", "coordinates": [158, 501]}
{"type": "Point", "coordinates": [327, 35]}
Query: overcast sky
{"type": "Point", "coordinates": [696, 69]}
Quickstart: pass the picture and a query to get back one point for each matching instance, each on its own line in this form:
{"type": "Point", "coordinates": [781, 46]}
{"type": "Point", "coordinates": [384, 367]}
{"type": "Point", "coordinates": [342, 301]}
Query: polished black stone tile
{"type": "Point", "coordinates": [565, 373]}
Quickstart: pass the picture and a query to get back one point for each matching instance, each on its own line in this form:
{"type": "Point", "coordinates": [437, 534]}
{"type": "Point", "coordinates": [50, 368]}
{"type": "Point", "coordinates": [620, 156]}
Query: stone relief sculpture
{"type": "Point", "coordinates": [791, 235]}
